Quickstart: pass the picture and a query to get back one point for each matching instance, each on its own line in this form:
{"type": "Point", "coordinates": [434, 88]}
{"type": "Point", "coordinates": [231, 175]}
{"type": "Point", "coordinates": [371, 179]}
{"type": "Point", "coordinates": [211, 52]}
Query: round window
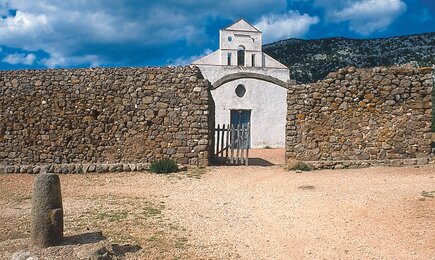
{"type": "Point", "coordinates": [240, 90]}
{"type": "Point", "coordinates": [230, 39]}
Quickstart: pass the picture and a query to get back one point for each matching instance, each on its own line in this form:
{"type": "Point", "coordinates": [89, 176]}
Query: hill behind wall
{"type": "Point", "coordinates": [312, 60]}
{"type": "Point", "coordinates": [113, 115]}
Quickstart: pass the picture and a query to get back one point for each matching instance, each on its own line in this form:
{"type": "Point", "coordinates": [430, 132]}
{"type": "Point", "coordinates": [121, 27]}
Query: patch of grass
{"type": "Point", "coordinates": [307, 187]}
{"type": "Point", "coordinates": [301, 166]}
{"type": "Point", "coordinates": [13, 234]}
{"type": "Point", "coordinates": [150, 211]}
{"type": "Point", "coordinates": [154, 238]}
{"type": "Point", "coordinates": [428, 194]}
{"type": "Point", "coordinates": [22, 198]}
{"type": "Point", "coordinates": [267, 147]}
{"type": "Point", "coordinates": [181, 242]}
{"type": "Point", "coordinates": [164, 166]}
{"type": "Point", "coordinates": [196, 172]}
{"type": "Point", "coordinates": [112, 216]}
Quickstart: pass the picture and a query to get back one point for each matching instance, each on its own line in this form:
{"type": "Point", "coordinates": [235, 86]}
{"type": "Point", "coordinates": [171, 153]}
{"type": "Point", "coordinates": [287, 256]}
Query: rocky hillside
{"type": "Point", "coordinates": [311, 60]}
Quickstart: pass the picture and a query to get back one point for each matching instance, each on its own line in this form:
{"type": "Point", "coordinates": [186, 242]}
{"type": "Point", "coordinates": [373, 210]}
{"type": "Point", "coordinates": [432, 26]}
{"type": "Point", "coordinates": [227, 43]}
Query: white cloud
{"type": "Point", "coordinates": [73, 31]}
{"type": "Point", "coordinates": [20, 58]}
{"type": "Point", "coordinates": [278, 27]}
{"type": "Point", "coordinates": [368, 16]}
{"type": "Point", "coordinates": [56, 60]}
{"type": "Point", "coordinates": [186, 61]}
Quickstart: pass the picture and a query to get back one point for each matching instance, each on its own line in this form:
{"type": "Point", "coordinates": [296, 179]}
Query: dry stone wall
{"type": "Point", "coordinates": [361, 116]}
{"type": "Point", "coordinates": [103, 116]}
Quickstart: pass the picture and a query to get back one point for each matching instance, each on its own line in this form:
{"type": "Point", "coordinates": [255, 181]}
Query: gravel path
{"type": "Point", "coordinates": [262, 212]}
{"type": "Point", "coordinates": [270, 213]}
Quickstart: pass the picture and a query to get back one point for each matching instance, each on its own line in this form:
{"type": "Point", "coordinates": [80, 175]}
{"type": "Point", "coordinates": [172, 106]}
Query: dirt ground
{"type": "Point", "coordinates": [253, 212]}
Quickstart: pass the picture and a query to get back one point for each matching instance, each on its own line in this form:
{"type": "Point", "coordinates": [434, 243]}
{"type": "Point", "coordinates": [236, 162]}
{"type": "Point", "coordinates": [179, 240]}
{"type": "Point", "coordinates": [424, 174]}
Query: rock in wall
{"type": "Point", "coordinates": [361, 114]}
{"type": "Point", "coordinates": [104, 115]}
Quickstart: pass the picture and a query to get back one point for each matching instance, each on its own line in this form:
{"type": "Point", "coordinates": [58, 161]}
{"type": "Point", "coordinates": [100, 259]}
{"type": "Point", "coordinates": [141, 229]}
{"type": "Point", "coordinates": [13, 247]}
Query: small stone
{"type": "Point", "coordinates": [129, 79]}
{"type": "Point", "coordinates": [147, 99]}
{"type": "Point", "coordinates": [390, 102]}
{"type": "Point", "coordinates": [91, 168]}
{"type": "Point", "coordinates": [405, 83]}
{"type": "Point", "coordinates": [113, 168]}
{"type": "Point", "coordinates": [317, 95]}
{"type": "Point", "coordinates": [23, 255]}
{"type": "Point", "coordinates": [70, 168]}
{"type": "Point", "coordinates": [36, 170]}
{"type": "Point", "coordinates": [339, 166]}
{"type": "Point", "coordinates": [97, 130]}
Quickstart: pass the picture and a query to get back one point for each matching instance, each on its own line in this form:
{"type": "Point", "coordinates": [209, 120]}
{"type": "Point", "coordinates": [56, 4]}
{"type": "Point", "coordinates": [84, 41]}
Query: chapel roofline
{"type": "Point", "coordinates": [241, 19]}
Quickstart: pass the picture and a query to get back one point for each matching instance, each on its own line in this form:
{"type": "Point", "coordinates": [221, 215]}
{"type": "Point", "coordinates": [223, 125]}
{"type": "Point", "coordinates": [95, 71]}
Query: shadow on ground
{"type": "Point", "coordinates": [86, 238]}
{"type": "Point", "coordinates": [251, 162]}
{"type": "Point", "coordinates": [259, 162]}
{"type": "Point", "coordinates": [121, 250]}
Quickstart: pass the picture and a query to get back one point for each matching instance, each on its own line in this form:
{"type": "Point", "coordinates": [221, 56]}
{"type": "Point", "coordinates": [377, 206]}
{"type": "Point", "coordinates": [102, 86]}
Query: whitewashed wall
{"type": "Point", "coordinates": [268, 106]}
{"type": "Point", "coordinates": [213, 73]}
{"type": "Point", "coordinates": [266, 101]}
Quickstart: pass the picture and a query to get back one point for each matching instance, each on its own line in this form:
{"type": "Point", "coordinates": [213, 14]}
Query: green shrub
{"type": "Point", "coordinates": [164, 166]}
{"type": "Point", "coordinates": [301, 166]}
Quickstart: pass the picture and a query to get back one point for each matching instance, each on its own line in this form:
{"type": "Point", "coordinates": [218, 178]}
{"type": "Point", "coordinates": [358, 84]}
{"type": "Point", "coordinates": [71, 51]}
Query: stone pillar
{"type": "Point", "coordinates": [47, 212]}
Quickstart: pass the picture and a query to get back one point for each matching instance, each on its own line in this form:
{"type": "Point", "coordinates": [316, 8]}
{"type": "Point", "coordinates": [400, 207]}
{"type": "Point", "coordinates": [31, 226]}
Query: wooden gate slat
{"type": "Point", "coordinates": [247, 147]}
{"type": "Point", "coordinates": [242, 146]}
{"type": "Point", "coordinates": [217, 140]}
{"type": "Point", "coordinates": [222, 140]}
{"type": "Point", "coordinates": [238, 144]}
{"type": "Point", "coordinates": [232, 143]}
{"type": "Point", "coordinates": [227, 141]}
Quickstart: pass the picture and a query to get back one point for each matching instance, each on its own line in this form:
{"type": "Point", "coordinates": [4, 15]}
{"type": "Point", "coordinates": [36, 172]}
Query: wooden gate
{"type": "Point", "coordinates": [232, 144]}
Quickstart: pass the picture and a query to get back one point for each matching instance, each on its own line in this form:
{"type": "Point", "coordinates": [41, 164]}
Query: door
{"type": "Point", "coordinates": [242, 118]}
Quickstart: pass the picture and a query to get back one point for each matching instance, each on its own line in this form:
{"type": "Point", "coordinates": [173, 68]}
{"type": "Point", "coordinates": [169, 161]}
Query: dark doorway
{"type": "Point", "coordinates": [241, 56]}
{"type": "Point", "coordinates": [241, 118]}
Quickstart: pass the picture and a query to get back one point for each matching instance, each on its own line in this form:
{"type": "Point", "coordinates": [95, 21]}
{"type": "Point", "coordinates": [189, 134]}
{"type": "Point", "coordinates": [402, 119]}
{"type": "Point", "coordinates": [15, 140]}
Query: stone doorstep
{"type": "Point", "coordinates": [352, 164]}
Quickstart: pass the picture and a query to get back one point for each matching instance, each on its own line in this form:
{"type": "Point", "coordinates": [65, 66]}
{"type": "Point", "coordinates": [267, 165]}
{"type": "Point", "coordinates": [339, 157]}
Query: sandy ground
{"type": "Point", "coordinates": [253, 212]}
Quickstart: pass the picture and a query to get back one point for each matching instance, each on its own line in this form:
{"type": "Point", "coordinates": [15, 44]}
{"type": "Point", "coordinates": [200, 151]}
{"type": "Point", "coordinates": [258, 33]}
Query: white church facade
{"type": "Point", "coordinates": [248, 86]}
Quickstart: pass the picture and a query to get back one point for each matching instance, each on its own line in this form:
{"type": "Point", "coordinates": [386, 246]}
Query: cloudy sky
{"type": "Point", "coordinates": [89, 33]}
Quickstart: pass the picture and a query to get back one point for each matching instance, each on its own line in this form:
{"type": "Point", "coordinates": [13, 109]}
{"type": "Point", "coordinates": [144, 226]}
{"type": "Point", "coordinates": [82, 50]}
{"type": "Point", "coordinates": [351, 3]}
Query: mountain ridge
{"type": "Point", "coordinates": [310, 60]}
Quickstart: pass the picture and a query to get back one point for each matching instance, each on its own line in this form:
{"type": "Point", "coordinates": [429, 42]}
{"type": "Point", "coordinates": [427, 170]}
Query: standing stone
{"type": "Point", "coordinates": [47, 212]}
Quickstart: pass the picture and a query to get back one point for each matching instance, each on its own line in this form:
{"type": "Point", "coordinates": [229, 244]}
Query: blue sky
{"type": "Point", "coordinates": [112, 33]}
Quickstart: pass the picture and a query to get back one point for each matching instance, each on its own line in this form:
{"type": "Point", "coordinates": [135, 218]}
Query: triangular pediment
{"type": "Point", "coordinates": [242, 25]}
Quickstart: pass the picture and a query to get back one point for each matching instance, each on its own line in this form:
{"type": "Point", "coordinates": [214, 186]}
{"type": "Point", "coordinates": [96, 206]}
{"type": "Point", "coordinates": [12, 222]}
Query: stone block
{"type": "Point", "coordinates": [47, 211]}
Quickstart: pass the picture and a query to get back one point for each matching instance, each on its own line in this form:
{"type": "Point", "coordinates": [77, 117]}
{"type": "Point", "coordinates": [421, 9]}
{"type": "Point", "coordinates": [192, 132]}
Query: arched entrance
{"type": "Point", "coordinates": [254, 104]}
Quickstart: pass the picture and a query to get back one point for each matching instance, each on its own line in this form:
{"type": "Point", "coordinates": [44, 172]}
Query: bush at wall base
{"type": "Point", "coordinates": [164, 166]}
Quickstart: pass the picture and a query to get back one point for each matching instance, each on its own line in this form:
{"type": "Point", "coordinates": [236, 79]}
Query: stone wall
{"type": "Point", "coordinates": [104, 116]}
{"type": "Point", "coordinates": [361, 115]}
